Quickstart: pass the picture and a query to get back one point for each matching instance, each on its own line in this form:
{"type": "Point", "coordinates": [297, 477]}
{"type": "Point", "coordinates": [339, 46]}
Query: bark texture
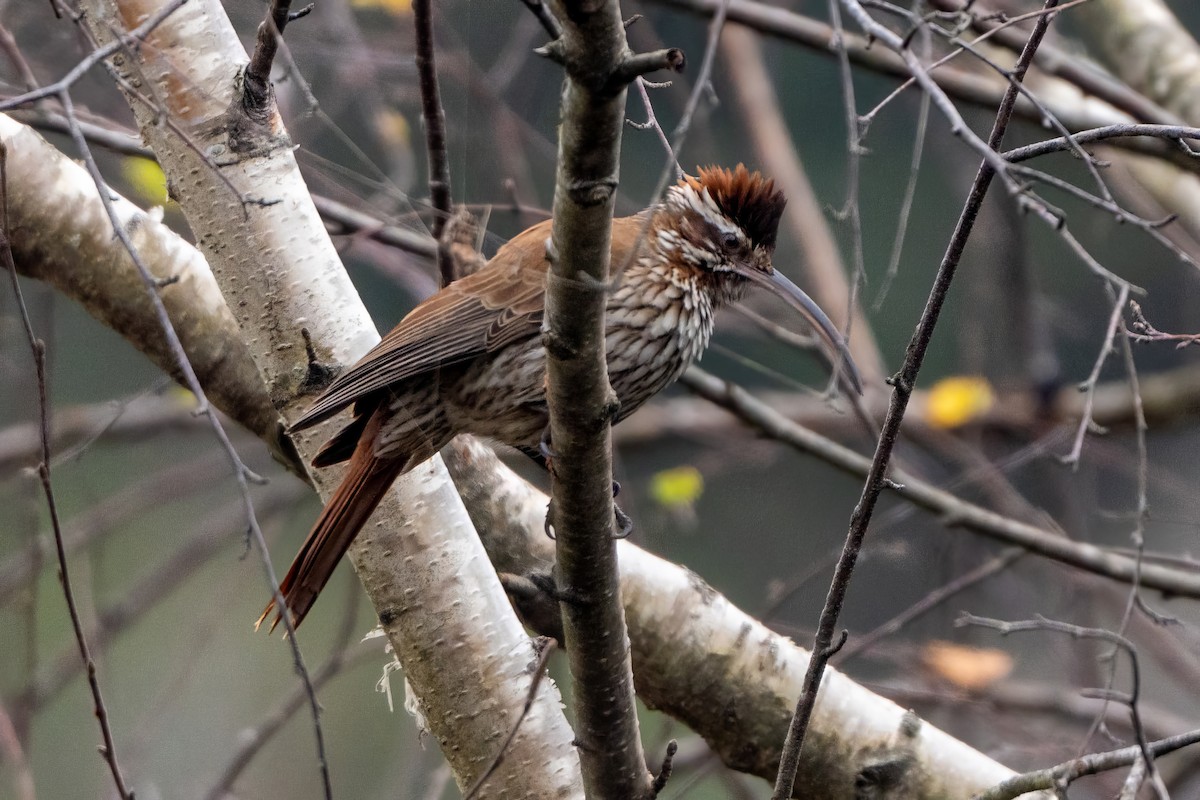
{"type": "Point", "coordinates": [419, 559]}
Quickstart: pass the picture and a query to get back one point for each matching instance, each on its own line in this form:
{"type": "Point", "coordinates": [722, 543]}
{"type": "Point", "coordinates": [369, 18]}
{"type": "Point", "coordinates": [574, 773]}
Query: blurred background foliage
{"type": "Point", "coordinates": [164, 576]}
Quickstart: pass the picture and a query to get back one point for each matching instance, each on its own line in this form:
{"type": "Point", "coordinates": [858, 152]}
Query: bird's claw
{"type": "Point", "coordinates": [547, 585]}
{"type": "Point", "coordinates": [624, 523]}
{"type": "Point", "coordinates": [544, 448]}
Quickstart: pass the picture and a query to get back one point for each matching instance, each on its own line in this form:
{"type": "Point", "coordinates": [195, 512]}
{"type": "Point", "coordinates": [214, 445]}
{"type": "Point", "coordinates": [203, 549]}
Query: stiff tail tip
{"type": "Point", "coordinates": [271, 607]}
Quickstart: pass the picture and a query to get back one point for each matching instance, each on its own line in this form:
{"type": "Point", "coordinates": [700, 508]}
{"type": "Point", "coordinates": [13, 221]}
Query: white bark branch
{"type": "Point", "coordinates": [419, 559]}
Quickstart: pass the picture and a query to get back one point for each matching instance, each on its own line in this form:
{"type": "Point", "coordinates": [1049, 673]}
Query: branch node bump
{"type": "Point", "coordinates": [635, 65]}
{"type": "Point", "coordinates": [553, 51]}
{"type": "Point", "coordinates": [664, 773]}
{"type": "Point", "coordinates": [592, 193]}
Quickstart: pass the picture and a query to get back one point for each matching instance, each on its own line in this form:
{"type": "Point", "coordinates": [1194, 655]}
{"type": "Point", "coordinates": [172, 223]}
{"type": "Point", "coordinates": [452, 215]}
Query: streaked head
{"type": "Point", "coordinates": [727, 226]}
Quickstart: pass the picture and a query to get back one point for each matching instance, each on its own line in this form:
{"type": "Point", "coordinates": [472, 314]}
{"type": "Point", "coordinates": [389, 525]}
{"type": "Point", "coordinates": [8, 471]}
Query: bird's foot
{"type": "Point", "coordinates": [545, 451]}
{"type": "Point", "coordinates": [318, 374]}
{"type": "Point", "coordinates": [546, 584]}
{"type": "Point", "coordinates": [624, 523]}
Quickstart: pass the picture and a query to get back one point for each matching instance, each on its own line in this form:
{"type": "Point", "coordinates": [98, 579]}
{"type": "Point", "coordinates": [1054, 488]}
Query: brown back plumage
{"type": "Point", "coordinates": [481, 313]}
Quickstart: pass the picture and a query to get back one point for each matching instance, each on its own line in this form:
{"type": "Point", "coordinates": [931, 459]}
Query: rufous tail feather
{"type": "Point", "coordinates": [366, 482]}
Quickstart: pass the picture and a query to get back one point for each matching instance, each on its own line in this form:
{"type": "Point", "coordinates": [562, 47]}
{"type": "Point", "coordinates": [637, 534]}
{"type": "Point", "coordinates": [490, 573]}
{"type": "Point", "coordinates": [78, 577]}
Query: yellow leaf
{"type": "Point", "coordinates": [394, 7]}
{"type": "Point", "coordinates": [146, 179]}
{"type": "Point", "coordinates": [956, 401]}
{"type": "Point", "coordinates": [181, 395]}
{"type": "Point", "coordinates": [680, 486]}
{"type": "Point", "coordinates": [393, 128]}
{"type": "Point", "coordinates": [971, 668]}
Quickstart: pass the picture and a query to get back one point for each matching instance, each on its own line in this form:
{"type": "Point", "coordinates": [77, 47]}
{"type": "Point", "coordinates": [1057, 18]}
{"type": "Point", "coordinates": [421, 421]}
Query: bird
{"type": "Point", "coordinates": [470, 359]}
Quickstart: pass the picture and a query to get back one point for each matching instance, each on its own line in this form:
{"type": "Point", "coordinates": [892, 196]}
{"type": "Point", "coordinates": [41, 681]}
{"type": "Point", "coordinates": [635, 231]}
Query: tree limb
{"type": "Point", "coordinates": [238, 183]}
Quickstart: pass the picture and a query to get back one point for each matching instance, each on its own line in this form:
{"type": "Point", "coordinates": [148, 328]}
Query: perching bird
{"type": "Point", "coordinates": [470, 359]}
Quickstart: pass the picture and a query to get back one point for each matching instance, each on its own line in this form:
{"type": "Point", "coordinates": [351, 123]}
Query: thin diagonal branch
{"type": "Point", "coordinates": [1056, 777]}
{"type": "Point", "coordinates": [823, 645]}
{"type": "Point", "coordinates": [242, 473]}
{"type": "Point", "coordinates": [95, 57]}
{"type": "Point", "coordinates": [953, 510]}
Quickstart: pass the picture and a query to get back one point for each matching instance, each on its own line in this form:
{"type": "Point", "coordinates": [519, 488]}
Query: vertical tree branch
{"type": "Point", "coordinates": [257, 96]}
{"type": "Point", "coordinates": [599, 66]}
{"type": "Point", "coordinates": [435, 134]}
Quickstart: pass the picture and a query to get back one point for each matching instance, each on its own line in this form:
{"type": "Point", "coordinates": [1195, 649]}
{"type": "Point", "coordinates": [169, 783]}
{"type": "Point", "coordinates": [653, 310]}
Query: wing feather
{"type": "Point", "coordinates": [483, 312]}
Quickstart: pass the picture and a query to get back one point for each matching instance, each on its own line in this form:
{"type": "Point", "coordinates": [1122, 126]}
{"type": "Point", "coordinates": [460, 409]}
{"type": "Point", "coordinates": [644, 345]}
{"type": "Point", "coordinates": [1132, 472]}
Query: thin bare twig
{"type": "Point", "coordinates": [243, 475]}
{"type": "Point", "coordinates": [1137, 536]}
{"type": "Point", "coordinates": [539, 671]}
{"type": "Point", "coordinates": [823, 644]}
{"type": "Point", "coordinates": [1086, 422]}
{"type": "Point", "coordinates": [1176, 133]}
{"type": "Point", "coordinates": [652, 123]}
{"type": "Point", "coordinates": [1080, 632]}
{"type": "Point", "coordinates": [1141, 330]}
{"type": "Point", "coordinates": [93, 58]}
{"type": "Point", "coordinates": [851, 211]}
{"type": "Point", "coordinates": [108, 751]}
{"type": "Point", "coordinates": [1152, 227]}
{"type": "Point", "coordinates": [952, 510]}
{"type": "Point", "coordinates": [693, 102]}
{"type": "Point", "coordinates": [992, 566]}
{"type": "Point", "coordinates": [910, 188]}
{"type": "Point", "coordinates": [435, 134]}
{"type": "Point", "coordinates": [1053, 778]}
{"type": "Point", "coordinates": [257, 96]}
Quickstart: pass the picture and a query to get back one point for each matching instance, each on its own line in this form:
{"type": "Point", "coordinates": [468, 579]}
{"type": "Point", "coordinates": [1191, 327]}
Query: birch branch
{"type": "Point", "coordinates": [236, 179]}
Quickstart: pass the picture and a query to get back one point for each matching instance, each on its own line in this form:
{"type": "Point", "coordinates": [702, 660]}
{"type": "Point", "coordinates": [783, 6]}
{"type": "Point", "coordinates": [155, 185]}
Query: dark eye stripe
{"type": "Point", "coordinates": [717, 236]}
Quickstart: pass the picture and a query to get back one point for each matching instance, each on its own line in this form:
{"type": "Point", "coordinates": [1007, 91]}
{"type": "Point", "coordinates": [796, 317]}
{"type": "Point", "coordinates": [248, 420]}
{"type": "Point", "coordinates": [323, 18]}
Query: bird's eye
{"type": "Point", "coordinates": [730, 240]}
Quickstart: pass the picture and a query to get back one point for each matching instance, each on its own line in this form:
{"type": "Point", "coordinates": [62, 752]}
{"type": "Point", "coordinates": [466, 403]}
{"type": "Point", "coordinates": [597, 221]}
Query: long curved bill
{"type": "Point", "coordinates": [835, 345]}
